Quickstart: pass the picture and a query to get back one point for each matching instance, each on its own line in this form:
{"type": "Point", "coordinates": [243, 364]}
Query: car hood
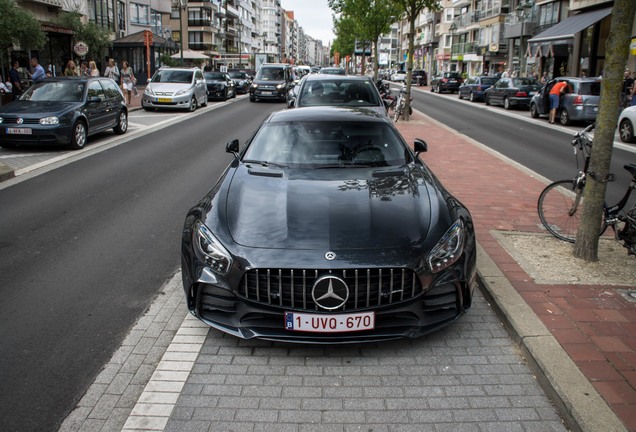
{"type": "Point", "coordinates": [330, 209]}
{"type": "Point", "coordinates": [38, 108]}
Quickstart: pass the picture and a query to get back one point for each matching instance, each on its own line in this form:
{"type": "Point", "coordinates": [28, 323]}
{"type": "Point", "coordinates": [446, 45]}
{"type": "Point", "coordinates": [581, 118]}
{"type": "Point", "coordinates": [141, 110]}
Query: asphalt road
{"type": "Point", "coordinates": [86, 247]}
{"type": "Point", "coordinates": [535, 144]}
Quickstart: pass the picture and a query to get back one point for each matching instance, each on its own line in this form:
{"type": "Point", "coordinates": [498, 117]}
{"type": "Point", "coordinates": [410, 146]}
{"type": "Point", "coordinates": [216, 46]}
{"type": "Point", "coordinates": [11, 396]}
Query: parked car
{"type": "Point", "coordinates": [581, 104]}
{"type": "Point", "coordinates": [475, 87]}
{"type": "Point", "coordinates": [447, 81]}
{"type": "Point", "coordinates": [626, 123]}
{"type": "Point", "coordinates": [328, 228]}
{"type": "Point", "coordinates": [220, 85]}
{"type": "Point", "coordinates": [337, 90]}
{"type": "Point", "coordinates": [241, 80]}
{"type": "Point", "coordinates": [419, 77]}
{"type": "Point", "coordinates": [398, 76]}
{"type": "Point", "coordinates": [175, 88]}
{"type": "Point", "coordinates": [272, 82]}
{"type": "Point", "coordinates": [63, 111]}
{"type": "Point", "coordinates": [512, 92]}
{"type": "Point", "coordinates": [332, 71]}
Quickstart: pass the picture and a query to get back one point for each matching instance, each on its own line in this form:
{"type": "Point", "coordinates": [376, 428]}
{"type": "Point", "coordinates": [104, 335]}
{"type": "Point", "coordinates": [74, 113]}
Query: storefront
{"type": "Point", "coordinates": [132, 49]}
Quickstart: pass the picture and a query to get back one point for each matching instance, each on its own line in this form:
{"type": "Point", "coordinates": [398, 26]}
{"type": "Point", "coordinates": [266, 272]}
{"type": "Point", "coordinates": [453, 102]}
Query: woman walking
{"type": "Point", "coordinates": [127, 80]}
{"type": "Point", "coordinates": [94, 72]}
{"type": "Point", "coordinates": [70, 69]}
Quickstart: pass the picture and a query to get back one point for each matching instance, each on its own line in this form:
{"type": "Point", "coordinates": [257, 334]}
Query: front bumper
{"type": "Point", "coordinates": [166, 102]}
{"type": "Point", "coordinates": [269, 94]}
{"type": "Point", "coordinates": [439, 301]}
{"type": "Point", "coordinates": [57, 135]}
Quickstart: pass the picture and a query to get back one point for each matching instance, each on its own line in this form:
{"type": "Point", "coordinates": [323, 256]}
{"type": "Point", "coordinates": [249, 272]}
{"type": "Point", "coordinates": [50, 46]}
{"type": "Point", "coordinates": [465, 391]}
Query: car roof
{"type": "Point", "coordinates": [564, 78]}
{"type": "Point", "coordinates": [336, 78]}
{"type": "Point", "coordinates": [327, 113]}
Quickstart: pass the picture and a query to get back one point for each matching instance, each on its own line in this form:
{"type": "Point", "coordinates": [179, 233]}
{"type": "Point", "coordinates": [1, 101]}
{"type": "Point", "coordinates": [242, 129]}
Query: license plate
{"type": "Point", "coordinates": [19, 131]}
{"type": "Point", "coordinates": [164, 100]}
{"type": "Point", "coordinates": [595, 109]}
{"type": "Point", "coordinates": [268, 93]}
{"type": "Point", "coordinates": [452, 81]}
{"type": "Point", "coordinates": [329, 323]}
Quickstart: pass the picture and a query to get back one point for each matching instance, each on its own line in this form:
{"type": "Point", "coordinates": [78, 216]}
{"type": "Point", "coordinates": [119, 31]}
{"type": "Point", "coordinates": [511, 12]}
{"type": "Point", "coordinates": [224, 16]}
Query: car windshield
{"type": "Point", "coordinates": [241, 75]}
{"type": "Point", "coordinates": [55, 91]}
{"type": "Point", "coordinates": [488, 80]}
{"type": "Point", "coordinates": [271, 74]}
{"type": "Point", "coordinates": [518, 82]}
{"type": "Point", "coordinates": [214, 76]}
{"type": "Point", "coordinates": [314, 144]}
{"type": "Point", "coordinates": [335, 92]}
{"type": "Point", "coordinates": [332, 71]}
{"type": "Point", "coordinates": [173, 76]}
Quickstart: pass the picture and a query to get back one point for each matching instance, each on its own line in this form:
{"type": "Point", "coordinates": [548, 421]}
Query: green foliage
{"type": "Point", "coordinates": [344, 28]}
{"type": "Point", "coordinates": [97, 38]}
{"type": "Point", "coordinates": [19, 26]}
{"type": "Point", "coordinates": [166, 60]}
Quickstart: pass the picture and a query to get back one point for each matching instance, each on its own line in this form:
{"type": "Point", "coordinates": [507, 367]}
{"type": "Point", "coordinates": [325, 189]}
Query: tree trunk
{"type": "Point", "coordinates": [409, 64]}
{"type": "Point", "coordinates": [375, 61]}
{"type": "Point", "coordinates": [586, 246]}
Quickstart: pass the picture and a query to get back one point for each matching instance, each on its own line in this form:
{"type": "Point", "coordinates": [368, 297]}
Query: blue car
{"type": "Point", "coordinates": [474, 88]}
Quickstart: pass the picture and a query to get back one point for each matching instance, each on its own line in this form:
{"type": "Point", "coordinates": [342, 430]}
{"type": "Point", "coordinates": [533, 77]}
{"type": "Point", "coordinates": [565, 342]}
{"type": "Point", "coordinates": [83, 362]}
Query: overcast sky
{"type": "Point", "coordinates": [314, 16]}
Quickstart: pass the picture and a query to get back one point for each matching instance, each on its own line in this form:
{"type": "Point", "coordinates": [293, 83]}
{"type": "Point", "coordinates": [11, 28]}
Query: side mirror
{"type": "Point", "coordinates": [419, 146]}
{"type": "Point", "coordinates": [291, 103]}
{"type": "Point", "coordinates": [233, 147]}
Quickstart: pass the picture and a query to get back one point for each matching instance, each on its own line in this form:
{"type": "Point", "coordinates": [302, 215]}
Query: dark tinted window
{"type": "Point", "coordinates": [320, 144]}
{"type": "Point", "coordinates": [590, 88]}
{"type": "Point", "coordinates": [240, 75]}
{"type": "Point", "coordinates": [338, 93]}
{"type": "Point", "coordinates": [110, 88]}
{"type": "Point", "coordinates": [214, 76]}
{"type": "Point", "coordinates": [173, 76]}
{"type": "Point", "coordinates": [488, 80]}
{"type": "Point", "coordinates": [271, 73]}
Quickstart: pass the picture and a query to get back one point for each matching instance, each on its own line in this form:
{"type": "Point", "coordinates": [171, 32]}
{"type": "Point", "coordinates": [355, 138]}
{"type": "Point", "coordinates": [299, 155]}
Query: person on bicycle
{"type": "Point", "coordinates": [560, 88]}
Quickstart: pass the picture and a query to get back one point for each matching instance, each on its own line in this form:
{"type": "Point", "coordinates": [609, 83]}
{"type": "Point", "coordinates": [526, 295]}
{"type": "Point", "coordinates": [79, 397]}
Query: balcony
{"type": "Point", "coordinates": [465, 48]}
{"type": "Point", "coordinates": [199, 22]}
{"type": "Point", "coordinates": [55, 3]}
{"type": "Point", "coordinates": [205, 4]}
{"type": "Point", "coordinates": [201, 46]}
{"type": "Point", "coordinates": [231, 11]}
{"type": "Point", "coordinates": [493, 12]}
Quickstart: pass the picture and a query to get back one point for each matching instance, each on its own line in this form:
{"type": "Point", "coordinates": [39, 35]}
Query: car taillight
{"type": "Point", "coordinates": [578, 100]}
{"type": "Point", "coordinates": [521, 94]}
{"type": "Point", "coordinates": [444, 79]}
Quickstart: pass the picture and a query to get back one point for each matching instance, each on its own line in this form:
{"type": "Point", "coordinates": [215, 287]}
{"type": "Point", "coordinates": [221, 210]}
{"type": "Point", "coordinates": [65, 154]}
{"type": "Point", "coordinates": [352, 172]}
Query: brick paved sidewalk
{"type": "Point", "coordinates": [594, 324]}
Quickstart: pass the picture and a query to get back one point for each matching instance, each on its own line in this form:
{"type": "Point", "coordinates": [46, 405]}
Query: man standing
{"type": "Point", "coordinates": [555, 98]}
{"type": "Point", "coordinates": [38, 71]}
{"type": "Point", "coordinates": [14, 79]}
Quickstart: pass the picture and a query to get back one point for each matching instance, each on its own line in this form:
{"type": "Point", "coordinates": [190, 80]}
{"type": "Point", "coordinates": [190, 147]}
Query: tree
{"type": "Point", "coordinates": [411, 10]}
{"type": "Point", "coordinates": [344, 28]}
{"type": "Point", "coordinates": [18, 26]}
{"type": "Point", "coordinates": [372, 19]}
{"type": "Point", "coordinates": [97, 38]}
{"type": "Point", "coordinates": [586, 245]}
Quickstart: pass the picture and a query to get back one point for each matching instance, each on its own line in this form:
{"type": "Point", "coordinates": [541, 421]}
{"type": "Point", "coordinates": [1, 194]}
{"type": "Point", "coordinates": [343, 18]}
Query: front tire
{"type": "Point", "coordinates": [78, 137]}
{"type": "Point", "coordinates": [506, 103]}
{"type": "Point", "coordinates": [459, 95]}
{"type": "Point", "coordinates": [193, 105]}
{"type": "Point", "coordinates": [560, 208]}
{"type": "Point", "coordinates": [122, 123]}
{"type": "Point", "coordinates": [534, 111]}
{"type": "Point", "coordinates": [626, 131]}
{"type": "Point", "coordinates": [471, 97]}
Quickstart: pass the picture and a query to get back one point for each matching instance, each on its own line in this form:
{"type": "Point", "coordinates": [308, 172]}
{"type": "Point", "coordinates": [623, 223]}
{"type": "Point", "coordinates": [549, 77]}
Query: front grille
{"type": "Point", "coordinates": [14, 120]}
{"type": "Point", "coordinates": [291, 288]}
{"type": "Point", "coordinates": [164, 93]}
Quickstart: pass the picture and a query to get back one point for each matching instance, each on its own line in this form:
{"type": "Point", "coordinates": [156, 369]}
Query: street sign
{"type": "Point", "coordinates": [80, 48]}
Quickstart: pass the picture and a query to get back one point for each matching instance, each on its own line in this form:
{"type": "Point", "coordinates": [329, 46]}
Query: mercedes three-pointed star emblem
{"type": "Point", "coordinates": [330, 292]}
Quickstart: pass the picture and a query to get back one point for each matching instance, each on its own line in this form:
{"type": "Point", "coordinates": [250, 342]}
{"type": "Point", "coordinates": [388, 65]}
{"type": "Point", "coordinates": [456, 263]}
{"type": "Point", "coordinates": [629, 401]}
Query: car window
{"type": "Point", "coordinates": [518, 82]}
{"type": "Point", "coordinates": [338, 93]}
{"type": "Point", "coordinates": [172, 76]}
{"type": "Point", "coordinates": [198, 75]}
{"type": "Point", "coordinates": [214, 76]}
{"type": "Point", "coordinates": [589, 88]}
{"type": "Point", "coordinates": [241, 75]}
{"type": "Point", "coordinates": [320, 144]}
{"type": "Point", "coordinates": [488, 80]}
{"type": "Point", "coordinates": [56, 91]}
{"type": "Point", "coordinates": [470, 81]}
{"type": "Point", "coordinates": [110, 88]}
{"type": "Point", "coordinates": [270, 74]}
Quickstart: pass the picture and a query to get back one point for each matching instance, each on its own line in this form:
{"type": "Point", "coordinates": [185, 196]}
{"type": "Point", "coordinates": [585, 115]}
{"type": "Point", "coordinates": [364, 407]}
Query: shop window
{"type": "Point", "coordinates": [102, 13]}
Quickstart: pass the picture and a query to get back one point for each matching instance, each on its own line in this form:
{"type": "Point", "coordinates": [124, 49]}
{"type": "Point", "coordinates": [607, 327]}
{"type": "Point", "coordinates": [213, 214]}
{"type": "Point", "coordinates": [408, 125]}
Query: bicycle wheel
{"type": "Point", "coordinates": [560, 207]}
{"type": "Point", "coordinates": [397, 112]}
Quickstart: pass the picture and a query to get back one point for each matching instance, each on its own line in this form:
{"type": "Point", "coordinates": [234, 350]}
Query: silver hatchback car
{"type": "Point", "coordinates": [176, 88]}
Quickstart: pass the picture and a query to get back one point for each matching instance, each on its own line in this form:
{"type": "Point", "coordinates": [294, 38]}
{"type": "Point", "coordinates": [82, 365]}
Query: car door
{"type": "Point", "coordinates": [96, 109]}
{"type": "Point", "coordinates": [200, 87]}
{"type": "Point", "coordinates": [113, 101]}
{"type": "Point", "coordinates": [500, 90]}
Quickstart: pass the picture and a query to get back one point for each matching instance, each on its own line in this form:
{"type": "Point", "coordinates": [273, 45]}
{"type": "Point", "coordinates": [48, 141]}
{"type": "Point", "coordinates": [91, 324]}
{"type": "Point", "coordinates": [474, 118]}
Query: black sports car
{"type": "Point", "coordinates": [220, 85]}
{"type": "Point", "coordinates": [241, 80]}
{"type": "Point", "coordinates": [327, 228]}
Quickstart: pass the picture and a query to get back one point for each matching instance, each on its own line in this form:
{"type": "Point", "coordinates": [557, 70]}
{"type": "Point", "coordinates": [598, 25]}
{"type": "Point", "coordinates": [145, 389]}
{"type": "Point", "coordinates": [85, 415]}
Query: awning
{"type": "Point", "coordinates": [137, 39]}
{"type": "Point", "coordinates": [569, 27]}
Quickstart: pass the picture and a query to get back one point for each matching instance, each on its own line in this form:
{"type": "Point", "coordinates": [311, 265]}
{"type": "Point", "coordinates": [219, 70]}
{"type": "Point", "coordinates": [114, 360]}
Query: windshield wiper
{"type": "Point", "coordinates": [265, 163]}
{"type": "Point", "coordinates": [344, 165]}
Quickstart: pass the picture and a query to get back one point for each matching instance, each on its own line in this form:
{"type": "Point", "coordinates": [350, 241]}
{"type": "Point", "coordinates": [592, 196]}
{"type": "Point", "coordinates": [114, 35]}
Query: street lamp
{"type": "Point", "coordinates": [181, 5]}
{"type": "Point", "coordinates": [452, 29]}
{"type": "Point", "coordinates": [522, 14]}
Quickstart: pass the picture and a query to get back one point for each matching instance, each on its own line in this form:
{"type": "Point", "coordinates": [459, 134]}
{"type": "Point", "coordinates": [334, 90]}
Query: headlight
{"type": "Point", "coordinates": [182, 92]}
{"type": "Point", "coordinates": [50, 121]}
{"type": "Point", "coordinates": [448, 249]}
{"type": "Point", "coordinates": [1, 119]}
{"type": "Point", "coordinates": [149, 91]}
{"type": "Point", "coordinates": [210, 249]}
{"type": "Point", "coordinates": [280, 86]}
{"type": "Point", "coordinates": [254, 85]}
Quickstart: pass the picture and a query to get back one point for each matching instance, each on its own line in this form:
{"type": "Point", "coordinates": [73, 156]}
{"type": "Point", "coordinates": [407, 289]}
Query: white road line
{"type": "Point", "coordinates": [156, 403]}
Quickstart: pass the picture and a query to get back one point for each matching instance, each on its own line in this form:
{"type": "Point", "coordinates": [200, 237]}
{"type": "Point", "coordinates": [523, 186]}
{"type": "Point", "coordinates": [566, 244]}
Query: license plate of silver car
{"type": "Point", "coordinates": [326, 323]}
{"type": "Point", "coordinates": [19, 131]}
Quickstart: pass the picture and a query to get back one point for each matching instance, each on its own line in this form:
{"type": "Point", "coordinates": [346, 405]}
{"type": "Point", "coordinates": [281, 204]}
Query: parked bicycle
{"type": "Point", "coordinates": [400, 103]}
{"type": "Point", "coordinates": [561, 203]}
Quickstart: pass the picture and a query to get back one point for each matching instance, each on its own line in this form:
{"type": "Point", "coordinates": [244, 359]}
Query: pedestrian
{"type": "Point", "coordinates": [112, 71]}
{"type": "Point", "coordinates": [84, 71]}
{"type": "Point", "coordinates": [70, 69]}
{"type": "Point", "coordinates": [38, 71]}
{"type": "Point", "coordinates": [506, 73]}
{"type": "Point", "coordinates": [544, 78]}
{"type": "Point", "coordinates": [128, 80]}
{"type": "Point", "coordinates": [557, 90]}
{"type": "Point", "coordinates": [92, 67]}
{"type": "Point", "coordinates": [628, 84]}
{"type": "Point", "coordinates": [3, 87]}
{"type": "Point", "coordinates": [14, 79]}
